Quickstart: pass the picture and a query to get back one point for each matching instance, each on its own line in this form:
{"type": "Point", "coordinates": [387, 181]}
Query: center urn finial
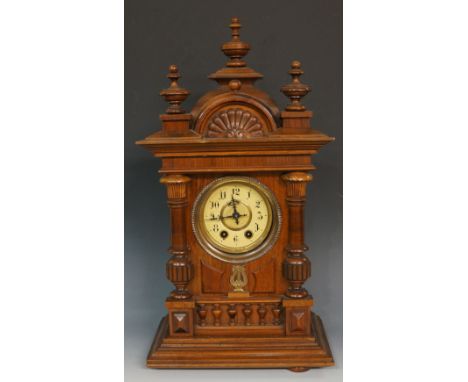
{"type": "Point", "coordinates": [235, 49]}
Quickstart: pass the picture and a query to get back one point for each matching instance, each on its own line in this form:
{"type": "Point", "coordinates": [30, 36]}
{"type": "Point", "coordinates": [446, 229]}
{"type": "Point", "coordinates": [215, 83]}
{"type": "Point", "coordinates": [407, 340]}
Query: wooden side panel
{"type": "Point", "coordinates": [213, 279]}
{"type": "Point", "coordinates": [180, 318]}
{"type": "Point", "coordinates": [298, 322]}
{"type": "Point", "coordinates": [257, 281]}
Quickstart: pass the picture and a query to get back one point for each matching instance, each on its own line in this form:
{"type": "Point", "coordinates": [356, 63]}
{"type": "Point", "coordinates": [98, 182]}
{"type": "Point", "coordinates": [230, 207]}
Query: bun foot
{"type": "Point", "coordinates": [298, 369]}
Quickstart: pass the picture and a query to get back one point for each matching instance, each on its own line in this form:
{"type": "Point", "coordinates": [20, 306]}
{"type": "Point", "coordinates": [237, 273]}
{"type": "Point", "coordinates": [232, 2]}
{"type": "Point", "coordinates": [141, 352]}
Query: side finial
{"type": "Point", "coordinates": [235, 49]}
{"type": "Point", "coordinates": [174, 94]}
{"type": "Point", "coordinates": [296, 89]}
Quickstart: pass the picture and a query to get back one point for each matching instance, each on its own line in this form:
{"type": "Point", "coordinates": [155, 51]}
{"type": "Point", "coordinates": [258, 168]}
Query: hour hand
{"type": "Point", "coordinates": [233, 202]}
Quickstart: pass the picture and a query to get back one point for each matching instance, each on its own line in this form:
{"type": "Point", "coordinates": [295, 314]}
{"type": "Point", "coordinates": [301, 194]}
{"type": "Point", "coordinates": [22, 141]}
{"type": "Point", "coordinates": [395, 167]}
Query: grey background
{"type": "Point", "coordinates": [189, 34]}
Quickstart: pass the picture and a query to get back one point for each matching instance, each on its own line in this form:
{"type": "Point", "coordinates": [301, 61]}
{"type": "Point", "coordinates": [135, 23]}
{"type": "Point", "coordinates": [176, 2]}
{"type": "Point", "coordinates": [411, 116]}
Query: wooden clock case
{"type": "Point", "coordinates": [237, 129]}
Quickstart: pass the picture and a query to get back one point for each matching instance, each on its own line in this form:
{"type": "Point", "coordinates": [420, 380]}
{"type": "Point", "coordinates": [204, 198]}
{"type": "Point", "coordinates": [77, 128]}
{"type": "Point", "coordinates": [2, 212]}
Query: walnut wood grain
{"type": "Point", "coordinates": [238, 130]}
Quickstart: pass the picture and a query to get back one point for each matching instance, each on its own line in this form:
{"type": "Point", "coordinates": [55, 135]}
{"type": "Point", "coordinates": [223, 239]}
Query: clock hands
{"type": "Point", "coordinates": [227, 217]}
{"type": "Point", "coordinates": [233, 203]}
{"type": "Point", "coordinates": [235, 215]}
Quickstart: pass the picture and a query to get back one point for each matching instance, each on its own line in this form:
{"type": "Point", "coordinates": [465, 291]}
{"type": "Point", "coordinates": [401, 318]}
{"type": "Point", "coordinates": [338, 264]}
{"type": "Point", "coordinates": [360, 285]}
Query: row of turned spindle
{"type": "Point", "coordinates": [247, 310]}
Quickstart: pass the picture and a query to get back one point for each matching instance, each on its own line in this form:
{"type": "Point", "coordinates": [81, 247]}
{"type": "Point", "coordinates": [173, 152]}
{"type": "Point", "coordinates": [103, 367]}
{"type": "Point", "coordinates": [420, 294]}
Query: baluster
{"type": "Point", "coordinates": [232, 314]}
{"type": "Point", "coordinates": [247, 312]}
{"type": "Point", "coordinates": [261, 314]}
{"type": "Point", "coordinates": [216, 314]}
{"type": "Point", "coordinates": [202, 312]}
{"type": "Point", "coordinates": [276, 314]}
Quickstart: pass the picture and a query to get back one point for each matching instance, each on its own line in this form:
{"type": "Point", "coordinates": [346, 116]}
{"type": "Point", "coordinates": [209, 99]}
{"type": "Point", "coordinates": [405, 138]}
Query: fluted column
{"type": "Point", "coordinates": [179, 269]}
{"type": "Point", "coordinates": [296, 267]}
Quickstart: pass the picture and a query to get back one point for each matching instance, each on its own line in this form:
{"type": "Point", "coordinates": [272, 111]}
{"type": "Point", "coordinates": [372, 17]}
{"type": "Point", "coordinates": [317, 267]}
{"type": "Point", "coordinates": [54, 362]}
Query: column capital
{"type": "Point", "coordinates": [175, 179]}
{"type": "Point", "coordinates": [296, 183]}
{"type": "Point", "coordinates": [176, 186]}
{"type": "Point", "coordinates": [297, 176]}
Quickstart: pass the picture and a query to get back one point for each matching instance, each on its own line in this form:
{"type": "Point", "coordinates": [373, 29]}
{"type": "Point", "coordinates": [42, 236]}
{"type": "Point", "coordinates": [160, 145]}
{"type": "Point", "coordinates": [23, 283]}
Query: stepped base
{"type": "Point", "coordinates": [272, 352]}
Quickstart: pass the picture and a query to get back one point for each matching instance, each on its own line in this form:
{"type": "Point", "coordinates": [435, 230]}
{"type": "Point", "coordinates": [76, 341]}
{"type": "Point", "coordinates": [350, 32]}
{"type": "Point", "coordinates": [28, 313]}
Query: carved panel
{"type": "Point", "coordinates": [212, 279]}
{"type": "Point", "coordinates": [181, 323]}
{"type": "Point", "coordinates": [235, 123]}
{"type": "Point", "coordinates": [297, 321]}
{"type": "Point", "coordinates": [264, 278]}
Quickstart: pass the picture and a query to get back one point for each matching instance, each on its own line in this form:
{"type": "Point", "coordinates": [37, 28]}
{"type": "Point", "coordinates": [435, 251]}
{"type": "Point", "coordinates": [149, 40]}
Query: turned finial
{"type": "Point", "coordinates": [235, 49]}
{"type": "Point", "coordinates": [296, 89]}
{"type": "Point", "coordinates": [174, 94]}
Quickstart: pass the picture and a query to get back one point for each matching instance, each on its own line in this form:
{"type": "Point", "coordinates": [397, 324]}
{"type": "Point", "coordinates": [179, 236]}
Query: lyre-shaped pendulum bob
{"type": "Point", "coordinates": [238, 281]}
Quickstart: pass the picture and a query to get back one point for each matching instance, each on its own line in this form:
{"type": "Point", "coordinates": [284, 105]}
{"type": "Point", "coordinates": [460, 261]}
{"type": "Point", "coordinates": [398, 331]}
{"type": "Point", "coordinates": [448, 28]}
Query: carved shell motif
{"type": "Point", "coordinates": [234, 123]}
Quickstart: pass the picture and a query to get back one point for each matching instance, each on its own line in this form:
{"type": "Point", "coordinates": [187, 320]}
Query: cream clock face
{"type": "Point", "coordinates": [236, 219]}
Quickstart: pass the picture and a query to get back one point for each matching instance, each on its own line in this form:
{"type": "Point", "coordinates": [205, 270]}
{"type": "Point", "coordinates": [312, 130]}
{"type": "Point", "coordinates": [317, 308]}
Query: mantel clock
{"type": "Point", "coordinates": [236, 170]}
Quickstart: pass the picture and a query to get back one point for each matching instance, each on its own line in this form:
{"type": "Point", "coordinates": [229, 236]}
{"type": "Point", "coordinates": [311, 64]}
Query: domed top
{"type": "Point", "coordinates": [236, 117]}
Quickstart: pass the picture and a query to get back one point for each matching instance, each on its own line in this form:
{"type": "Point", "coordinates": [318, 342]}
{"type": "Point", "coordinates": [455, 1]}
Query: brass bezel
{"type": "Point", "coordinates": [270, 236]}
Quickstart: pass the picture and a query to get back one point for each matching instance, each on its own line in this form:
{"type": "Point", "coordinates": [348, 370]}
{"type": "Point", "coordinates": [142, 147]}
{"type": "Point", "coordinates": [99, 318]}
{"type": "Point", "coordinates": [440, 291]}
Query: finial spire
{"type": "Point", "coordinates": [235, 49]}
{"type": "Point", "coordinates": [296, 89]}
{"type": "Point", "coordinates": [174, 94]}
{"type": "Point", "coordinates": [235, 28]}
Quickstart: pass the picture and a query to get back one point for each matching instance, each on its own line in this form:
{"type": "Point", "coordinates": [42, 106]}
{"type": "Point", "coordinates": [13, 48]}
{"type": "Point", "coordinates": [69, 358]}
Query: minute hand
{"type": "Point", "coordinates": [226, 217]}
{"type": "Point", "coordinates": [232, 217]}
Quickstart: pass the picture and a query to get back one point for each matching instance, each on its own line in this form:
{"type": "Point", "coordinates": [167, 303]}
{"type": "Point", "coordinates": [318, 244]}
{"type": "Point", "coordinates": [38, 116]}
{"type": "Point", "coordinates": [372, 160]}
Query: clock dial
{"type": "Point", "coordinates": [234, 218]}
